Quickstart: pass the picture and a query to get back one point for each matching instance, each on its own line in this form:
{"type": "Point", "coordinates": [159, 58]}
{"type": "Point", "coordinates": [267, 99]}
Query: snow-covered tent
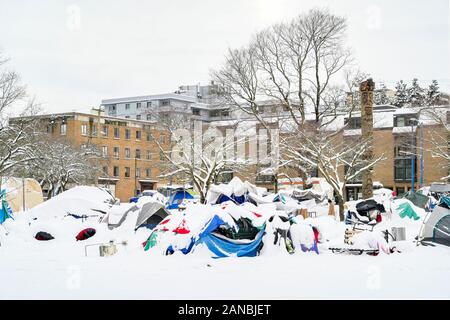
{"type": "Point", "coordinates": [118, 214]}
{"type": "Point", "coordinates": [225, 230]}
{"type": "Point", "coordinates": [236, 191]}
{"type": "Point", "coordinates": [437, 226]}
{"type": "Point", "coordinates": [177, 197]}
{"type": "Point", "coordinates": [151, 214]}
{"type": "Point", "coordinates": [417, 199]}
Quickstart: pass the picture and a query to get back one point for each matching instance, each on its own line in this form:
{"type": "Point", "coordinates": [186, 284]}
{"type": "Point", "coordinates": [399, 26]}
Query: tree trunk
{"type": "Point", "coordinates": [341, 207]}
{"type": "Point", "coordinates": [366, 88]}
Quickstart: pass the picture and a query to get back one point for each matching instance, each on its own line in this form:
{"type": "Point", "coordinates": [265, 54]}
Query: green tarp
{"type": "Point", "coordinates": [445, 200]}
{"type": "Point", "coordinates": [405, 210]}
{"type": "Point", "coordinates": [417, 199]}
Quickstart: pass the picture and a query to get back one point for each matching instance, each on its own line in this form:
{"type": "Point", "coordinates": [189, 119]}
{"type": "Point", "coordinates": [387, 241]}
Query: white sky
{"type": "Point", "coordinates": [73, 54]}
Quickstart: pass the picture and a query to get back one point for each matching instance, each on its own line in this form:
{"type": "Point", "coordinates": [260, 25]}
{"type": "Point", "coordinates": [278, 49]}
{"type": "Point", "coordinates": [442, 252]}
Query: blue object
{"type": "Point", "coordinates": [5, 212]}
{"type": "Point", "coordinates": [236, 199]}
{"type": "Point", "coordinates": [177, 197]}
{"type": "Point", "coordinates": [222, 247]}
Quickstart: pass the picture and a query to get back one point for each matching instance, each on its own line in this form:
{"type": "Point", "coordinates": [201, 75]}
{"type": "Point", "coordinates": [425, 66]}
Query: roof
{"type": "Point", "coordinates": [173, 96]}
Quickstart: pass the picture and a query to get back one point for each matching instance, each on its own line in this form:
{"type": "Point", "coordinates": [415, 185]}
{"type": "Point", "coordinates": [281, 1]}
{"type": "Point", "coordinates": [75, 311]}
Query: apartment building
{"type": "Point", "coordinates": [130, 158]}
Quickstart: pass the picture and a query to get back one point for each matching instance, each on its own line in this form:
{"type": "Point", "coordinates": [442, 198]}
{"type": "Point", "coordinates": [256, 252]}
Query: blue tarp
{"type": "Point", "coordinates": [236, 199]}
{"type": "Point", "coordinates": [222, 247]}
{"type": "Point", "coordinates": [5, 212]}
{"type": "Point", "coordinates": [177, 197]}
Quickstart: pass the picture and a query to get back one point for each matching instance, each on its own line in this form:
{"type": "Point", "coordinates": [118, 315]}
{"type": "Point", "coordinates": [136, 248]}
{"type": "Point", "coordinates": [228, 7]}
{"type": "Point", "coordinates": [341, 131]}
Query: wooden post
{"type": "Point", "coordinates": [366, 89]}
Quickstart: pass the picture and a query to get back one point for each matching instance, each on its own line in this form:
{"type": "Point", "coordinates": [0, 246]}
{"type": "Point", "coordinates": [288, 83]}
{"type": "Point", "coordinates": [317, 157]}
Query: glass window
{"type": "Point", "coordinates": [162, 139]}
{"type": "Point", "coordinates": [116, 171]}
{"type": "Point", "coordinates": [116, 152]}
{"type": "Point", "coordinates": [138, 117]}
{"type": "Point", "coordinates": [149, 155]}
{"type": "Point", "coordinates": [138, 135]}
{"type": "Point", "coordinates": [149, 137]}
{"type": "Point", "coordinates": [148, 172]}
{"type": "Point", "coordinates": [161, 155]}
{"type": "Point", "coordinates": [138, 172]}
{"type": "Point", "coordinates": [105, 151]}
{"type": "Point", "coordinates": [84, 129]}
{"type": "Point", "coordinates": [127, 153]}
{"type": "Point", "coordinates": [127, 172]}
{"type": "Point", "coordinates": [116, 133]}
{"type": "Point", "coordinates": [138, 153]}
{"type": "Point", "coordinates": [127, 134]}
{"type": "Point", "coordinates": [149, 104]}
{"type": "Point", "coordinates": [138, 105]}
{"type": "Point", "coordinates": [63, 129]}
{"type": "Point", "coordinates": [104, 131]}
{"type": "Point", "coordinates": [94, 130]}
{"type": "Point", "coordinates": [403, 169]}
{"type": "Point", "coordinates": [127, 106]}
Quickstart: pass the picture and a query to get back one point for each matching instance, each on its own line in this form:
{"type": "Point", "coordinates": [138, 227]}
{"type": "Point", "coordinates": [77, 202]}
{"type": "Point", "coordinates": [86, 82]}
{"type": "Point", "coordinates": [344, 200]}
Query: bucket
{"type": "Point", "coordinates": [399, 234]}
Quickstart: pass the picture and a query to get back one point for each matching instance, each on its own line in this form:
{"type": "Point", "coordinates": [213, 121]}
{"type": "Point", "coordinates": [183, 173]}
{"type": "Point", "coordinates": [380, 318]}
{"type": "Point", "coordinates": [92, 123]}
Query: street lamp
{"type": "Point", "coordinates": [413, 122]}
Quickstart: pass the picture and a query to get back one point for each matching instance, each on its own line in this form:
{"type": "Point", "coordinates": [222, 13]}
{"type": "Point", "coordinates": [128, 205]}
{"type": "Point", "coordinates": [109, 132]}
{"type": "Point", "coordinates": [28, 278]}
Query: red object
{"type": "Point", "coordinates": [85, 234]}
{"type": "Point", "coordinates": [164, 221]}
{"type": "Point", "coordinates": [257, 214]}
{"type": "Point", "coordinates": [394, 194]}
{"type": "Point", "coordinates": [316, 234]}
{"type": "Point", "coordinates": [379, 218]}
{"type": "Point", "coordinates": [181, 229]}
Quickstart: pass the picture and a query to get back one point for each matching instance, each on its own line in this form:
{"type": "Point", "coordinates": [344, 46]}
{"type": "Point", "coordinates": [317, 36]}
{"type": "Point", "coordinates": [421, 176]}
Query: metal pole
{"type": "Point", "coordinates": [412, 157]}
{"type": "Point", "coordinates": [421, 156]}
{"type": "Point", "coordinates": [23, 194]}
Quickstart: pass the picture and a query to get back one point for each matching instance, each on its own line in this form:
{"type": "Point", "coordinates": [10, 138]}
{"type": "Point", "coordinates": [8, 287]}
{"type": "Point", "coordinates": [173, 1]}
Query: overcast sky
{"type": "Point", "coordinates": [73, 54]}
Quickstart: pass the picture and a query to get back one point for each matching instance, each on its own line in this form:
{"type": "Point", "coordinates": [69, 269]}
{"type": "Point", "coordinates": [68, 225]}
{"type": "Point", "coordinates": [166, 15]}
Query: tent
{"type": "Point", "coordinates": [417, 199]}
{"type": "Point", "coordinates": [236, 191]}
{"type": "Point", "coordinates": [177, 197]}
{"type": "Point", "coordinates": [118, 214]}
{"type": "Point", "coordinates": [437, 226]}
{"type": "Point", "coordinates": [17, 189]}
{"type": "Point", "coordinates": [440, 187]}
{"type": "Point", "coordinates": [151, 214]}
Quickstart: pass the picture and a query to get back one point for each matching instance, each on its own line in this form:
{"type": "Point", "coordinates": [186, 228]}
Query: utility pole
{"type": "Point", "coordinates": [366, 89]}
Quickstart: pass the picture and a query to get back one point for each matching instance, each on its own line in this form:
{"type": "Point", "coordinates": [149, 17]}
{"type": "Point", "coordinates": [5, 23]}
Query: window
{"type": "Point", "coordinates": [105, 131]}
{"type": "Point", "coordinates": [138, 153]}
{"type": "Point", "coordinates": [50, 128]}
{"type": "Point", "coordinates": [402, 169]}
{"type": "Point", "coordinates": [400, 191]}
{"type": "Point", "coordinates": [149, 117]}
{"type": "Point", "coordinates": [116, 171]}
{"type": "Point", "coordinates": [138, 105]}
{"type": "Point", "coordinates": [162, 139]}
{"type": "Point", "coordinates": [196, 112]}
{"type": "Point", "coordinates": [404, 120]}
{"type": "Point", "coordinates": [402, 147]}
{"type": "Point", "coordinates": [148, 172]}
{"type": "Point", "coordinates": [149, 155]}
{"type": "Point", "coordinates": [225, 113]}
{"type": "Point", "coordinates": [138, 172]}
{"type": "Point", "coordinates": [105, 151]}
{"type": "Point", "coordinates": [149, 104]}
{"type": "Point", "coordinates": [127, 106]}
{"type": "Point", "coordinates": [127, 153]}
{"type": "Point", "coordinates": [353, 123]}
{"type": "Point", "coordinates": [127, 117]}
{"type": "Point", "coordinates": [105, 170]}
{"type": "Point", "coordinates": [214, 113]}
{"type": "Point", "coordinates": [116, 133]}
{"type": "Point", "coordinates": [94, 130]}
{"type": "Point", "coordinates": [165, 102]}
{"type": "Point", "coordinates": [84, 129]}
{"type": "Point", "coordinates": [127, 134]}
{"type": "Point", "coordinates": [138, 117]}
{"type": "Point", "coordinates": [138, 135]}
{"type": "Point", "coordinates": [113, 107]}
{"type": "Point", "coordinates": [149, 137]}
{"type": "Point", "coordinates": [63, 129]}
{"type": "Point", "coordinates": [116, 152]}
{"type": "Point", "coordinates": [127, 172]}
{"type": "Point", "coordinates": [161, 155]}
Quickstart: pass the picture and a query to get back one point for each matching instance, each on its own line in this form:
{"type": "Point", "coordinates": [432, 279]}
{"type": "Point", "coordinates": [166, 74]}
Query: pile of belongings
{"type": "Point", "coordinates": [368, 212]}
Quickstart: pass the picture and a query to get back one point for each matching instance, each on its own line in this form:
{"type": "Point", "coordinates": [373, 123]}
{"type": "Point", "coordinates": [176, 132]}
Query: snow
{"type": "Point", "coordinates": [60, 269]}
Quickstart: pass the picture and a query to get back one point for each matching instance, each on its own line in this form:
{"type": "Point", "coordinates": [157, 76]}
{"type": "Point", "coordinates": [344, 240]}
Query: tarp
{"type": "Point", "coordinates": [444, 201]}
{"type": "Point", "coordinates": [417, 199]}
{"type": "Point", "coordinates": [440, 187]}
{"type": "Point", "coordinates": [405, 210]}
{"type": "Point", "coordinates": [118, 214]}
{"type": "Point", "coordinates": [151, 214]}
{"type": "Point", "coordinates": [177, 198]}
{"type": "Point", "coordinates": [4, 211]}
{"type": "Point", "coordinates": [17, 189]}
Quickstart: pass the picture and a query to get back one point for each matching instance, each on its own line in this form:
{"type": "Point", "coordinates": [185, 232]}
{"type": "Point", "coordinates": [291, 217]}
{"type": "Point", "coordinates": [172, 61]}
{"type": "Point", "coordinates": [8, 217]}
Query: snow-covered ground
{"type": "Point", "coordinates": [59, 272]}
{"type": "Point", "coordinates": [60, 269]}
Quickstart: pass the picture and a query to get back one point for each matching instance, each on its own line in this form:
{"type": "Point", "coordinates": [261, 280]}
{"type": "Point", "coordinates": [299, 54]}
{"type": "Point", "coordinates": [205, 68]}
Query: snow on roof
{"type": "Point", "coordinates": [173, 96]}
